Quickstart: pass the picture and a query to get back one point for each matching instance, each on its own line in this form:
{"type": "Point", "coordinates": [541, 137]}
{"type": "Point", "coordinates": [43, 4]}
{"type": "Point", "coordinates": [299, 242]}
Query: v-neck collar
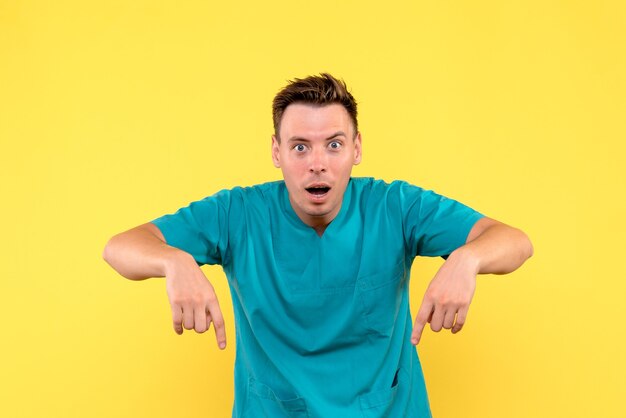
{"type": "Point", "coordinates": [295, 220]}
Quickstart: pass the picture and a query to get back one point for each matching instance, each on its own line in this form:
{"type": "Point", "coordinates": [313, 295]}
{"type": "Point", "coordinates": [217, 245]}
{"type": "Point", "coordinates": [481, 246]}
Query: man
{"type": "Point", "coordinates": [318, 268]}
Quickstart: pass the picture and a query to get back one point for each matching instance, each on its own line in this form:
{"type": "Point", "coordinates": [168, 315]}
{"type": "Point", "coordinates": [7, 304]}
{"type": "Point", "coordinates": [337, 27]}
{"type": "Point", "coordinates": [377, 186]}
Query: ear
{"type": "Point", "coordinates": [357, 148]}
{"type": "Point", "coordinates": [275, 151]}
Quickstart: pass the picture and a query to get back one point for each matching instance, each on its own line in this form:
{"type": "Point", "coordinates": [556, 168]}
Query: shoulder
{"type": "Point", "coordinates": [379, 196]}
{"type": "Point", "coordinates": [258, 191]}
{"type": "Point", "coordinates": [382, 189]}
{"type": "Point", "coordinates": [256, 198]}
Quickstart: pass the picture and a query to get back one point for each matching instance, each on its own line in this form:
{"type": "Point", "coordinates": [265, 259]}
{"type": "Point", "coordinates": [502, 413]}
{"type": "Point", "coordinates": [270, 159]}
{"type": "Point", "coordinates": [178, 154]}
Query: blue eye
{"type": "Point", "coordinates": [335, 145]}
{"type": "Point", "coordinates": [299, 148]}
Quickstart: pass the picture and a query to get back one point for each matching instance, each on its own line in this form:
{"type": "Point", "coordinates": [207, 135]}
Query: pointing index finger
{"type": "Point", "coordinates": [215, 314]}
{"type": "Point", "coordinates": [420, 321]}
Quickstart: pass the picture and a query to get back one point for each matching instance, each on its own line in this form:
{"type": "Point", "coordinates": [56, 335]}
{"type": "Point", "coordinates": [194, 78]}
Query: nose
{"type": "Point", "coordinates": [318, 162]}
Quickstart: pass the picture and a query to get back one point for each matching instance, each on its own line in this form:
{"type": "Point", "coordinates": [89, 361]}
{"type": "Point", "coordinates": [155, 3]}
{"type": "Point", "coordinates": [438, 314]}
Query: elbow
{"type": "Point", "coordinates": [107, 253]}
{"type": "Point", "coordinates": [523, 248]}
{"type": "Point", "coordinates": [119, 255]}
{"type": "Point", "coordinates": [529, 250]}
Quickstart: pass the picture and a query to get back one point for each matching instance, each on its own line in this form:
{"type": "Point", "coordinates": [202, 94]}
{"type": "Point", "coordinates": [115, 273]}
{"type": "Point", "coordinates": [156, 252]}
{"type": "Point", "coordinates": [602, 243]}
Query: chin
{"type": "Point", "coordinates": [320, 212]}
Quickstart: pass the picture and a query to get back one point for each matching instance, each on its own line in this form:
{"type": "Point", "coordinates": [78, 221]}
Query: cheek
{"type": "Point", "coordinates": [346, 164]}
{"type": "Point", "coordinates": [291, 171]}
{"type": "Point", "coordinates": [293, 166]}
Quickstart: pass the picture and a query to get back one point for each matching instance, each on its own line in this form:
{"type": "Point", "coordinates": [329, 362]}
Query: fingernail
{"type": "Point", "coordinates": [222, 346]}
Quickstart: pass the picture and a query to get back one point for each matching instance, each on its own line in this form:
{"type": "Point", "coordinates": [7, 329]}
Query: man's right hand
{"type": "Point", "coordinates": [192, 298]}
{"type": "Point", "coordinates": [142, 252]}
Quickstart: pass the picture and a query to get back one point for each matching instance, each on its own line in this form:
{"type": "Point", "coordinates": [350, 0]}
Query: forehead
{"type": "Point", "coordinates": [311, 121]}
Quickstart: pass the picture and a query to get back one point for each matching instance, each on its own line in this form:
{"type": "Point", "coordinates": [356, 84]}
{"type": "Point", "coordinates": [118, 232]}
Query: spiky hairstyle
{"type": "Point", "coordinates": [320, 90]}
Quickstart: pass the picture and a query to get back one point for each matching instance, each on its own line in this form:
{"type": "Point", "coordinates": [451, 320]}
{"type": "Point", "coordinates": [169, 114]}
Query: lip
{"type": "Point", "coordinates": [317, 184]}
{"type": "Point", "coordinates": [317, 198]}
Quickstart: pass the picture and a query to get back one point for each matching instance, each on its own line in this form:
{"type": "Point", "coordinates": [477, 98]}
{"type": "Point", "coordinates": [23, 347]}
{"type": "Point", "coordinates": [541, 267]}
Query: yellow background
{"type": "Point", "coordinates": [113, 113]}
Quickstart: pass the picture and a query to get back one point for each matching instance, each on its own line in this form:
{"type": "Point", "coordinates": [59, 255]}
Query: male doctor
{"type": "Point", "coordinates": [318, 268]}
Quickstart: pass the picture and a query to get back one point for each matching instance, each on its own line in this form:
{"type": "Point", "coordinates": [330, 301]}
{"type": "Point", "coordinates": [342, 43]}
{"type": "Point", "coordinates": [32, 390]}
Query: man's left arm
{"type": "Point", "coordinates": [491, 247]}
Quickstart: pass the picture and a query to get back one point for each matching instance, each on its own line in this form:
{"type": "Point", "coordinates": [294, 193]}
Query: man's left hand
{"type": "Point", "coordinates": [448, 296]}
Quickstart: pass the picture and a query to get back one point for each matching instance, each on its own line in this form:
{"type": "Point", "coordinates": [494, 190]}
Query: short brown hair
{"type": "Point", "coordinates": [316, 90]}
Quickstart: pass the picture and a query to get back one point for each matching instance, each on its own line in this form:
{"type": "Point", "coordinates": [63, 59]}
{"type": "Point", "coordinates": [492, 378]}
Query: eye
{"type": "Point", "coordinates": [299, 148]}
{"type": "Point", "coordinates": [335, 145]}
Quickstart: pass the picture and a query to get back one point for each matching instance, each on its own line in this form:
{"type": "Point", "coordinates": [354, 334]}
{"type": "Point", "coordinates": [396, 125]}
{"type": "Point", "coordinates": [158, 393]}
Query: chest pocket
{"type": "Point", "coordinates": [381, 296]}
{"type": "Point", "coordinates": [263, 402]}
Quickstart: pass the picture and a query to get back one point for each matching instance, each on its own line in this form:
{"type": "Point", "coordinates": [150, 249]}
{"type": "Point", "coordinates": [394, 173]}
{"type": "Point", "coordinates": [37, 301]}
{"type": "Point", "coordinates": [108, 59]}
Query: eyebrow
{"type": "Point", "coordinates": [299, 138]}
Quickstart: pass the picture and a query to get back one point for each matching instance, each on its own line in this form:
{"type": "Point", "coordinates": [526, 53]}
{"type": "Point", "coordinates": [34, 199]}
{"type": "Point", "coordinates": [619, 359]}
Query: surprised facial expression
{"type": "Point", "coordinates": [316, 152]}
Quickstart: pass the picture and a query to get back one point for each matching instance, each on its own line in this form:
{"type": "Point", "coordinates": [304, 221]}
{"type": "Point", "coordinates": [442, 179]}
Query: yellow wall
{"type": "Point", "coordinates": [113, 113]}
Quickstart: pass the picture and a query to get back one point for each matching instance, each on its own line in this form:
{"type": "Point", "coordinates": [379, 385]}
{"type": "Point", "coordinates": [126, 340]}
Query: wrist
{"type": "Point", "coordinates": [465, 256]}
{"type": "Point", "coordinates": [172, 257]}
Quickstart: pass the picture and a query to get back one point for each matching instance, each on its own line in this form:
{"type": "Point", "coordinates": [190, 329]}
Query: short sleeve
{"type": "Point", "coordinates": [200, 229]}
{"type": "Point", "coordinates": [434, 225]}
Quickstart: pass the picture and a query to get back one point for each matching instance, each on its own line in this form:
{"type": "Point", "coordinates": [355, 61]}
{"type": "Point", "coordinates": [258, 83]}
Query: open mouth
{"type": "Point", "coordinates": [318, 190]}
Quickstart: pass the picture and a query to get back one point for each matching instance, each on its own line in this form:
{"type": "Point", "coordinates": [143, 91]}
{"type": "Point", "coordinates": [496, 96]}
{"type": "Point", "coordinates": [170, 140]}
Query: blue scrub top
{"type": "Point", "coordinates": [323, 323]}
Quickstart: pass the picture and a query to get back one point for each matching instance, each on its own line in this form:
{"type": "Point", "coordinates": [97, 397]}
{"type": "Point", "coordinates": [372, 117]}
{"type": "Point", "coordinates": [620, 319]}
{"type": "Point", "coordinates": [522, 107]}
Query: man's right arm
{"type": "Point", "coordinates": [142, 252]}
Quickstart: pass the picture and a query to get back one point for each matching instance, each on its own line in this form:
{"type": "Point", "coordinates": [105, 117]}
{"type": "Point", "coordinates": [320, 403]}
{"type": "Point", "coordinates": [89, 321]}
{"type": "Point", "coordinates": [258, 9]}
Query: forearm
{"type": "Point", "coordinates": [499, 249]}
{"type": "Point", "coordinates": [140, 253]}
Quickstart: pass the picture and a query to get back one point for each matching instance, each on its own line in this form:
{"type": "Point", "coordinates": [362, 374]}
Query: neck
{"type": "Point", "coordinates": [320, 229]}
{"type": "Point", "coordinates": [318, 223]}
